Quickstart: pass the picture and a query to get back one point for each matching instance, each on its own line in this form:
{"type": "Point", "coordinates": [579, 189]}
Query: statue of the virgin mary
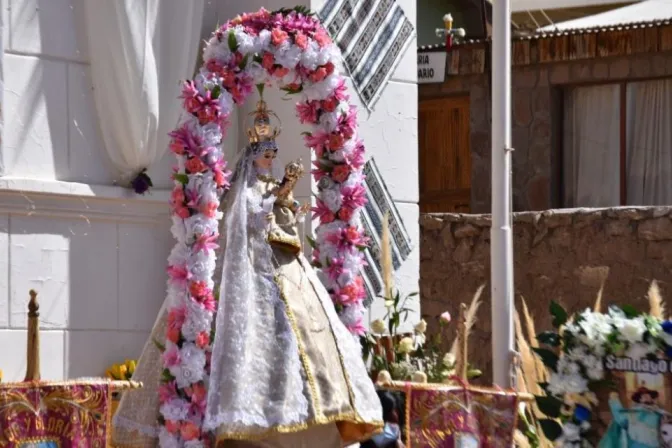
{"type": "Point", "coordinates": [285, 372]}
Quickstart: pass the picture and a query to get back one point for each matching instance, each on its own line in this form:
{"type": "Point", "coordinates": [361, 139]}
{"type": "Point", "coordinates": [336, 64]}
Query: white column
{"type": "Point", "coordinates": [501, 257]}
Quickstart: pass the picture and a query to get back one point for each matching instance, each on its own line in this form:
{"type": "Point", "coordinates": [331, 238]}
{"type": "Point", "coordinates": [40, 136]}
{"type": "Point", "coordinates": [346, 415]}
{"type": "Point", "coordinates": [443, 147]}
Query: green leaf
{"type": "Point", "coordinates": [181, 178]}
{"type": "Point", "coordinates": [261, 85]}
{"type": "Point", "coordinates": [559, 314]}
{"type": "Point", "coordinates": [550, 406]}
{"type": "Point", "coordinates": [258, 59]}
{"type": "Point", "coordinates": [311, 242]}
{"type": "Point", "coordinates": [233, 43]}
{"type": "Point", "coordinates": [160, 346]}
{"type": "Point", "coordinates": [552, 429]}
{"type": "Point", "coordinates": [307, 134]}
{"type": "Point", "coordinates": [549, 338]}
{"type": "Point", "coordinates": [166, 377]}
{"type": "Point", "coordinates": [549, 358]}
{"type": "Point", "coordinates": [216, 91]}
{"type": "Point", "coordinates": [630, 311]}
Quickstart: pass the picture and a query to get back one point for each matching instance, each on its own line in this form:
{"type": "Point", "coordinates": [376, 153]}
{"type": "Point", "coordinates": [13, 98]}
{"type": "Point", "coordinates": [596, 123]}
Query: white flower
{"type": "Point", "coordinates": [175, 409]}
{"type": "Point", "coordinates": [246, 43]}
{"type": "Point", "coordinates": [421, 326]}
{"type": "Point", "coordinates": [378, 326]}
{"type": "Point", "coordinates": [419, 377]}
{"type": "Point", "coordinates": [640, 350]}
{"type": "Point", "coordinates": [332, 199]}
{"type": "Point", "coordinates": [449, 360]}
{"type": "Point", "coordinates": [632, 330]}
{"type": "Point", "coordinates": [217, 50]}
{"type": "Point", "coordinates": [352, 314]}
{"type": "Point", "coordinates": [309, 56]}
{"type": "Point", "coordinates": [406, 345]}
{"type": "Point", "coordinates": [571, 432]}
{"type": "Point", "coordinates": [178, 229]}
{"type": "Point", "coordinates": [445, 318]}
{"type": "Point", "coordinates": [167, 440]}
{"type": "Point", "coordinates": [179, 254]}
{"type": "Point", "coordinates": [194, 444]}
{"type": "Point", "coordinates": [329, 121]}
{"type": "Point", "coordinates": [288, 55]}
{"type": "Point", "coordinates": [263, 40]}
{"type": "Point", "coordinates": [191, 368]}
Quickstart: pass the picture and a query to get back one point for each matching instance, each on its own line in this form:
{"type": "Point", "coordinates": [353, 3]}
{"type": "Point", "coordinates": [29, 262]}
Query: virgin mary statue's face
{"type": "Point", "coordinates": [265, 160]}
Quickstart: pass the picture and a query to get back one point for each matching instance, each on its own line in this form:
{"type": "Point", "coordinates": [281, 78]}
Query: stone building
{"type": "Point", "coordinates": [591, 113]}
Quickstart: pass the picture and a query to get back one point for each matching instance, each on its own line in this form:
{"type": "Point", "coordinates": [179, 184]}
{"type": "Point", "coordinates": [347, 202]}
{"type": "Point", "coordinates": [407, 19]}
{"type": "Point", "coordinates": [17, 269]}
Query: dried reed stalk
{"type": "Point", "coordinates": [470, 318]}
{"type": "Point", "coordinates": [656, 303]}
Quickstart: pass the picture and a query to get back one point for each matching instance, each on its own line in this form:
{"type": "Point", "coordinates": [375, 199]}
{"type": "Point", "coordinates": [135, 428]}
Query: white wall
{"type": "Point", "coordinates": [94, 251]}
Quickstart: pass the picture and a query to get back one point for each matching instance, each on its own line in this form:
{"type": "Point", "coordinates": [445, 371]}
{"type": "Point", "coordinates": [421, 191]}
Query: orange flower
{"type": "Point", "coordinates": [278, 36]}
{"type": "Point", "coordinates": [190, 431]}
{"type": "Point", "coordinates": [195, 165]}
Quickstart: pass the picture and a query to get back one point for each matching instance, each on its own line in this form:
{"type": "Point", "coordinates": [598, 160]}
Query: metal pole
{"type": "Point", "coordinates": [501, 257]}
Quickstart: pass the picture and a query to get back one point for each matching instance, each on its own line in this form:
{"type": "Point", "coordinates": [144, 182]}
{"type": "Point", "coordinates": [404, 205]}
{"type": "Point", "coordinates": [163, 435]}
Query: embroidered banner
{"type": "Point", "coordinates": [379, 202]}
{"type": "Point", "coordinates": [372, 35]}
{"type": "Point", "coordinates": [455, 417]}
{"type": "Point", "coordinates": [55, 415]}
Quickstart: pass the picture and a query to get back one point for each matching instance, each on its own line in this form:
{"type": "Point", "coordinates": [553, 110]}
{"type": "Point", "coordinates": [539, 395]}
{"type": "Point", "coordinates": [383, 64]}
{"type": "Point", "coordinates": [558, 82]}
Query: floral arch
{"type": "Point", "coordinates": [288, 49]}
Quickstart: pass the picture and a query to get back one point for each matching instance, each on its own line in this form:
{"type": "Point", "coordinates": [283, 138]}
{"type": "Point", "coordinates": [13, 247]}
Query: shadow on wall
{"type": "Point", "coordinates": [560, 255]}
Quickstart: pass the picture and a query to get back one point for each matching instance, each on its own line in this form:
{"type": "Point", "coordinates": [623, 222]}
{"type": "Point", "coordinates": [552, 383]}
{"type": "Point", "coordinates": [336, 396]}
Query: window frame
{"type": "Point", "coordinates": [623, 137]}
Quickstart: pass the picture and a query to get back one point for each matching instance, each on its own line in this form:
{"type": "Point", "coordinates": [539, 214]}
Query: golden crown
{"type": "Point", "coordinates": [262, 131]}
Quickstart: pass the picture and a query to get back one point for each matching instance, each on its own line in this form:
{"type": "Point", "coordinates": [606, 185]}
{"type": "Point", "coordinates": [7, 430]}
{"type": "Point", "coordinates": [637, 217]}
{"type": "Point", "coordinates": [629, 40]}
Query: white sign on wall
{"type": "Point", "coordinates": [431, 67]}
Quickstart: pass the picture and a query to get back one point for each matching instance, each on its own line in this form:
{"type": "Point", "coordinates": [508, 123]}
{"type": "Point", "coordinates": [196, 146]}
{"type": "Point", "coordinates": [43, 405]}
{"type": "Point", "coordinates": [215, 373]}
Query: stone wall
{"type": "Point", "coordinates": [536, 109]}
{"type": "Point", "coordinates": [559, 255]}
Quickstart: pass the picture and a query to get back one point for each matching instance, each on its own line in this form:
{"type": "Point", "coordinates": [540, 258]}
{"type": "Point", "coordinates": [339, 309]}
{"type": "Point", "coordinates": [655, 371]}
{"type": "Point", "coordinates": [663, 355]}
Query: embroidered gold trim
{"type": "Point", "coordinates": [351, 392]}
{"type": "Point", "coordinates": [293, 243]}
{"type": "Point", "coordinates": [347, 417]}
{"type": "Point", "coordinates": [302, 349]}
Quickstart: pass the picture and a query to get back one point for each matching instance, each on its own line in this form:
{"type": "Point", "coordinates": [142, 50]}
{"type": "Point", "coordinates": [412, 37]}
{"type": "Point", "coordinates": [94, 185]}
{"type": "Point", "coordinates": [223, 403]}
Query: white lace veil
{"type": "Point", "coordinates": [255, 368]}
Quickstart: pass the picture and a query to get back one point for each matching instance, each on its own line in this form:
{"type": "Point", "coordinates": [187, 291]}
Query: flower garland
{"type": "Point", "coordinates": [584, 343]}
{"type": "Point", "coordinates": [291, 50]}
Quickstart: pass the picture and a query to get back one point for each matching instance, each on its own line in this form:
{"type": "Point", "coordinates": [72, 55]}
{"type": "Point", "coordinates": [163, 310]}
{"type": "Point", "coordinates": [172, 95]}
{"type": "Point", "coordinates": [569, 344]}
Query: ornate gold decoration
{"type": "Point", "coordinates": [261, 131]}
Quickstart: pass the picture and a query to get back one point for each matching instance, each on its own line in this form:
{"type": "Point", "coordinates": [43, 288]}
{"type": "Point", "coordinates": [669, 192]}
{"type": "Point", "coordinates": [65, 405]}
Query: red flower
{"type": "Point", "coordinates": [336, 142]}
{"type": "Point", "coordinates": [346, 214]}
{"type": "Point", "coordinates": [203, 339]}
{"type": "Point", "coordinates": [322, 212]}
{"type": "Point", "coordinates": [278, 36]}
{"type": "Point", "coordinates": [340, 173]}
{"type": "Point", "coordinates": [330, 104]}
{"type": "Point", "coordinates": [280, 72]}
{"type": "Point", "coordinates": [199, 289]}
{"type": "Point", "coordinates": [267, 61]}
{"type": "Point", "coordinates": [321, 37]}
{"type": "Point", "coordinates": [318, 75]}
{"type": "Point", "coordinates": [301, 40]}
{"type": "Point", "coordinates": [195, 165]}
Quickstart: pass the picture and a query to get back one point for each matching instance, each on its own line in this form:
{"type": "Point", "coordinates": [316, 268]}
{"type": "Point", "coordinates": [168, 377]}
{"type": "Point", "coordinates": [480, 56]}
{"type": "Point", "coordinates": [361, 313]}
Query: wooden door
{"type": "Point", "coordinates": [445, 157]}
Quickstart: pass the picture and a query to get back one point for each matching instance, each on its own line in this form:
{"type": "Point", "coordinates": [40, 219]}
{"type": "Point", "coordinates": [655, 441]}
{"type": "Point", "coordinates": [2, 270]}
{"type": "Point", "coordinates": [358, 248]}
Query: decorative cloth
{"type": "Point", "coordinates": [372, 35]}
{"type": "Point", "coordinates": [55, 415]}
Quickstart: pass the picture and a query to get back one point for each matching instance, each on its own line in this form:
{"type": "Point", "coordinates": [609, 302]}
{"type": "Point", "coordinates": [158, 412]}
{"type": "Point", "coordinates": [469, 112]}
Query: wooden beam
{"type": "Point", "coordinates": [33, 348]}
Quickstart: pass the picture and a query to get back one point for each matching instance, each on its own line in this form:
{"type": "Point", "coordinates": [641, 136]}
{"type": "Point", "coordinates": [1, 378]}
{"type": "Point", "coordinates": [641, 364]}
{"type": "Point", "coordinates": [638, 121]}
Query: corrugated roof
{"type": "Point", "coordinates": [649, 11]}
{"type": "Point", "coordinates": [543, 34]}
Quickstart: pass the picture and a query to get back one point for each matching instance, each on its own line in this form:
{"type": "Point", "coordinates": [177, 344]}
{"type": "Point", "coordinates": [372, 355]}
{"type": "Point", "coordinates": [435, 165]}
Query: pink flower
{"type": "Point", "coordinates": [318, 173]}
{"type": "Point", "coordinates": [322, 212]}
{"type": "Point", "coordinates": [341, 91]}
{"type": "Point", "coordinates": [340, 173]}
{"type": "Point", "coordinates": [355, 158]}
{"type": "Point", "coordinates": [167, 391]}
{"type": "Point", "coordinates": [203, 339]}
{"type": "Point", "coordinates": [267, 61]}
{"type": "Point", "coordinates": [301, 40]}
{"type": "Point", "coordinates": [307, 111]}
{"type": "Point", "coordinates": [179, 275]}
{"type": "Point", "coordinates": [198, 396]}
{"type": "Point", "coordinates": [177, 196]}
{"type": "Point", "coordinates": [335, 269]}
{"type": "Point", "coordinates": [357, 328]}
{"type": "Point", "coordinates": [199, 289]}
{"type": "Point", "coordinates": [350, 294]}
{"type": "Point", "coordinates": [321, 37]}
{"type": "Point", "coordinates": [354, 237]}
{"type": "Point", "coordinates": [278, 36]}
{"type": "Point", "coordinates": [347, 123]}
{"type": "Point", "coordinates": [354, 196]}
{"type": "Point", "coordinates": [177, 147]}
{"type": "Point", "coordinates": [192, 198]}
{"type": "Point", "coordinates": [316, 141]}
{"type": "Point", "coordinates": [190, 96]}
{"type": "Point", "coordinates": [445, 318]}
{"type": "Point", "coordinates": [221, 178]}
{"type": "Point", "coordinates": [206, 243]}
{"type": "Point", "coordinates": [208, 301]}
{"type": "Point", "coordinates": [329, 67]}
{"type": "Point", "coordinates": [171, 357]}
{"type": "Point", "coordinates": [190, 431]}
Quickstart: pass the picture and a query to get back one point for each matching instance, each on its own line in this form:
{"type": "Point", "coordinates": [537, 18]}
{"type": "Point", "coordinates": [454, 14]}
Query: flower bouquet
{"type": "Point", "coordinates": [120, 372]}
{"type": "Point", "coordinates": [609, 376]}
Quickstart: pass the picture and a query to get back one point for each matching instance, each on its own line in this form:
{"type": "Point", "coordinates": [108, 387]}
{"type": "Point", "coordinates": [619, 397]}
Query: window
{"type": "Point", "coordinates": [617, 144]}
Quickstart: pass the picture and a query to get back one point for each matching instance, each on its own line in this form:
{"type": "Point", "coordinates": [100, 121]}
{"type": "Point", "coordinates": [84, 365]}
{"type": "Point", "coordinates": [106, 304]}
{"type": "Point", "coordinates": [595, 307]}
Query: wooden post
{"type": "Point", "coordinates": [461, 358]}
{"type": "Point", "coordinates": [33, 351]}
